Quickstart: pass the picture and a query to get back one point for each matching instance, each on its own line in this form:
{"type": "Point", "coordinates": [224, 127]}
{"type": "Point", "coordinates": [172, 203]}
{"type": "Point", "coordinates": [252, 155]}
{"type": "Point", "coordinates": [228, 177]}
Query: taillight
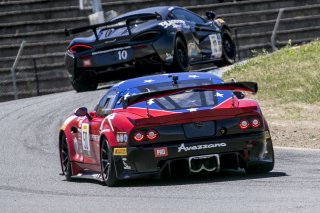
{"type": "Point", "coordinates": [255, 123]}
{"type": "Point", "coordinates": [244, 124]}
{"type": "Point", "coordinates": [145, 135]}
{"type": "Point", "coordinates": [138, 136]}
{"type": "Point", "coordinates": [78, 48]}
{"type": "Point", "coordinates": [152, 135]}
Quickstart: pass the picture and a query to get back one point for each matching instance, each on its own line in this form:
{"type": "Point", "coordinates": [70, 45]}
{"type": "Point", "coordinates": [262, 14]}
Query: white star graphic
{"type": "Point", "coordinates": [219, 95]}
{"type": "Point", "coordinates": [148, 81]}
{"type": "Point", "coordinates": [150, 101]}
{"type": "Point", "coordinates": [193, 76]}
{"type": "Point", "coordinates": [126, 96]}
{"type": "Point", "coordinates": [192, 109]}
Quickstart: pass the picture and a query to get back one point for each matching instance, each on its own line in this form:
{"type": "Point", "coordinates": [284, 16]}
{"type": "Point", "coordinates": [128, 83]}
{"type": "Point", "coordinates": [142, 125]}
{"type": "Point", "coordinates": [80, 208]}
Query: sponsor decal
{"type": "Point", "coordinates": [125, 164]}
{"type": "Point", "coordinates": [169, 57]}
{"type": "Point", "coordinates": [120, 151]}
{"type": "Point", "coordinates": [85, 136]}
{"type": "Point", "coordinates": [172, 23]}
{"type": "Point", "coordinates": [182, 147]}
{"type": "Point", "coordinates": [216, 45]}
{"type": "Point", "coordinates": [160, 152]}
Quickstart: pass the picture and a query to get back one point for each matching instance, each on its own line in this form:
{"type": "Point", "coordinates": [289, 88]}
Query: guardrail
{"type": "Point", "coordinates": [275, 29]}
{"type": "Point", "coordinates": [13, 73]}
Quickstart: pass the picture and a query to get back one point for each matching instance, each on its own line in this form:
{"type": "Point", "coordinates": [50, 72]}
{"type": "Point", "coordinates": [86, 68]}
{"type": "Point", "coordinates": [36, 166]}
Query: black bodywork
{"type": "Point", "coordinates": [158, 38]}
{"type": "Point", "coordinates": [225, 144]}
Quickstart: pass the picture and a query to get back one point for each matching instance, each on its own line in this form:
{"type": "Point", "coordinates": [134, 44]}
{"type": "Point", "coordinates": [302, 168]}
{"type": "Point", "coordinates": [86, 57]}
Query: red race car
{"type": "Point", "coordinates": [165, 124]}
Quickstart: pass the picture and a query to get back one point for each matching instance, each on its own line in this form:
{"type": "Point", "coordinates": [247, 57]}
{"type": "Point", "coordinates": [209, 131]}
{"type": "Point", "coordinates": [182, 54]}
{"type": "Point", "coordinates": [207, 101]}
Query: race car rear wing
{"type": "Point", "coordinates": [113, 24]}
{"type": "Point", "coordinates": [238, 86]}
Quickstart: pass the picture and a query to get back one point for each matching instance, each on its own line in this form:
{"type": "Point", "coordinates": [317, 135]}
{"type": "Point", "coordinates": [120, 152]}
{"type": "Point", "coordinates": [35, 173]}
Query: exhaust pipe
{"type": "Point", "coordinates": [205, 162]}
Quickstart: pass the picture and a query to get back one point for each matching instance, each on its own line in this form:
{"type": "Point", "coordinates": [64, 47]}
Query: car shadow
{"type": "Point", "coordinates": [201, 178]}
{"type": "Point", "coordinates": [224, 176]}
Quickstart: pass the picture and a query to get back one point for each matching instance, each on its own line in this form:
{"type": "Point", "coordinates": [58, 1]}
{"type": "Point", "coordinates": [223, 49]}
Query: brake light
{"type": "Point", "coordinates": [244, 124]}
{"type": "Point", "coordinates": [255, 123]}
{"type": "Point", "coordinates": [78, 48]}
{"type": "Point", "coordinates": [138, 136]}
{"type": "Point", "coordinates": [152, 135]}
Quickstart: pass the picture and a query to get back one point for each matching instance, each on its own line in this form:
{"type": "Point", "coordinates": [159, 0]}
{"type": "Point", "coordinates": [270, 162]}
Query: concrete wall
{"type": "Point", "coordinates": [41, 24]}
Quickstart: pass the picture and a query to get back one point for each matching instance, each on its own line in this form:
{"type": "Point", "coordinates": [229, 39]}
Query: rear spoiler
{"type": "Point", "coordinates": [238, 86]}
{"type": "Point", "coordinates": [113, 24]}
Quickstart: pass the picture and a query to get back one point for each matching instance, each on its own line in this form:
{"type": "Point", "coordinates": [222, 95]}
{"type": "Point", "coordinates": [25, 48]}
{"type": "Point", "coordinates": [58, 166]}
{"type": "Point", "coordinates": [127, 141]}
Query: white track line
{"type": "Point", "coordinates": [298, 149]}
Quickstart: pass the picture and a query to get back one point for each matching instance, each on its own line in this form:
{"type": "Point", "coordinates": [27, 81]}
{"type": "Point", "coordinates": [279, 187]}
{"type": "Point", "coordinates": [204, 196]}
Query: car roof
{"type": "Point", "coordinates": [164, 78]}
{"type": "Point", "coordinates": [162, 10]}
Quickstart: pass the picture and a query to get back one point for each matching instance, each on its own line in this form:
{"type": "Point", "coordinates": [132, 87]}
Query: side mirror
{"type": "Point", "coordinates": [210, 15]}
{"type": "Point", "coordinates": [82, 111]}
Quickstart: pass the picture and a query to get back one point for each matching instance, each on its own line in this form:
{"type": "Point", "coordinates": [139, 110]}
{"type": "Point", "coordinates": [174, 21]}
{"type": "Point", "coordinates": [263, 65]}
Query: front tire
{"type": "Point", "coordinates": [228, 49]}
{"type": "Point", "coordinates": [180, 57]}
{"type": "Point", "coordinates": [65, 158]}
{"type": "Point", "coordinates": [108, 172]}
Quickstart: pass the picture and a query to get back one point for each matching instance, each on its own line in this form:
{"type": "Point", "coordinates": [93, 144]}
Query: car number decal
{"type": "Point", "coordinates": [123, 55]}
{"type": "Point", "coordinates": [85, 136]}
{"type": "Point", "coordinates": [216, 48]}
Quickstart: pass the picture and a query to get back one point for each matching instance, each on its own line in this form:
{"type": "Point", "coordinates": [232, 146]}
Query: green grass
{"type": "Point", "coordinates": [288, 75]}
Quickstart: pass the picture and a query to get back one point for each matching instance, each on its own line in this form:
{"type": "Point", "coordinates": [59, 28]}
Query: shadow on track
{"type": "Point", "coordinates": [201, 178]}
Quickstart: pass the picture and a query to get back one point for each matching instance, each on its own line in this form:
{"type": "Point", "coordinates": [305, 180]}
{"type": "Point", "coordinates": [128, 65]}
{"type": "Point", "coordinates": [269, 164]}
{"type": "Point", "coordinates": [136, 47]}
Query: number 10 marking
{"type": "Point", "coordinates": [123, 54]}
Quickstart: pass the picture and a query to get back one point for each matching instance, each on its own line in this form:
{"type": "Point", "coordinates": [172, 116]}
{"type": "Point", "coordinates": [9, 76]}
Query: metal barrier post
{"type": "Point", "coordinates": [36, 76]}
{"type": "Point", "coordinates": [237, 43]}
{"type": "Point", "coordinates": [274, 32]}
{"type": "Point", "coordinates": [13, 73]}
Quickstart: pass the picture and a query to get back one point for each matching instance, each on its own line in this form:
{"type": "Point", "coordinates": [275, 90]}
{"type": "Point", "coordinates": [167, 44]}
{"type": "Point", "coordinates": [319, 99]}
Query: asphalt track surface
{"type": "Point", "coordinates": [29, 168]}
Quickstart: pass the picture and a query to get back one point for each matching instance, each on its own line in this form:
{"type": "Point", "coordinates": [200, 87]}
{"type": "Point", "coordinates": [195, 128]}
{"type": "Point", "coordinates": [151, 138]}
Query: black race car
{"type": "Point", "coordinates": [166, 38]}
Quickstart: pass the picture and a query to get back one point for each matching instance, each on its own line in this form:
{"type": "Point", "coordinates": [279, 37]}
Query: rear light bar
{"type": "Point", "coordinates": [149, 135]}
{"type": "Point", "coordinates": [249, 122]}
{"type": "Point", "coordinates": [78, 48]}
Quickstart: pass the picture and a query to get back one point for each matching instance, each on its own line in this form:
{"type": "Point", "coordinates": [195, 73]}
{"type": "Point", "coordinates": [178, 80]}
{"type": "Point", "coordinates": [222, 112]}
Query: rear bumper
{"type": "Point", "coordinates": [234, 152]}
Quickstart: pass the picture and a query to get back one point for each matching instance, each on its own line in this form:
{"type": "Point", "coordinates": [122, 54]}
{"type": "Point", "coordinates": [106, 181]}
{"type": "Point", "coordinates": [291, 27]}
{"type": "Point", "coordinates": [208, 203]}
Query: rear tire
{"type": "Point", "coordinates": [85, 82]}
{"type": "Point", "coordinates": [265, 167]}
{"type": "Point", "coordinates": [180, 57]}
{"type": "Point", "coordinates": [228, 49]}
{"type": "Point", "coordinates": [108, 171]}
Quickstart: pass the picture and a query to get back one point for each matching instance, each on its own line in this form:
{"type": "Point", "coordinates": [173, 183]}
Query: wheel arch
{"type": "Point", "coordinates": [182, 36]}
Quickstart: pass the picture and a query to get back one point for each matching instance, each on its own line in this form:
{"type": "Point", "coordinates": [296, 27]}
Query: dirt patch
{"type": "Point", "coordinates": [294, 124]}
